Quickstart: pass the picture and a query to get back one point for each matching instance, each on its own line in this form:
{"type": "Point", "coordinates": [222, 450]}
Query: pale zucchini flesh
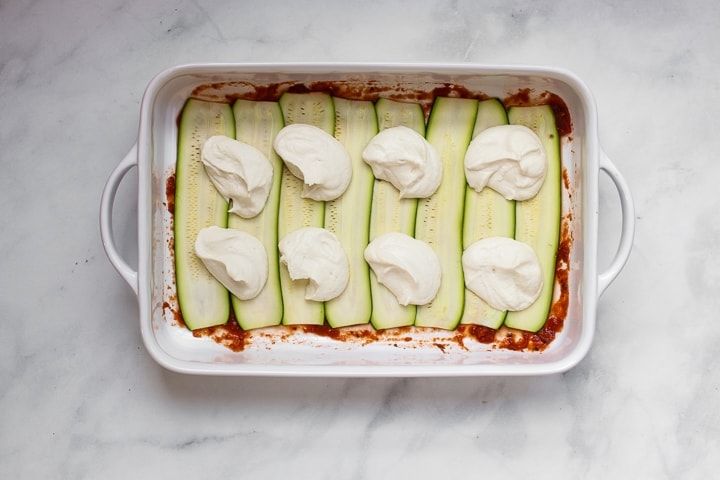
{"type": "Point", "coordinates": [390, 213]}
{"type": "Point", "coordinates": [348, 216]}
{"type": "Point", "coordinates": [440, 217]}
{"type": "Point", "coordinates": [296, 212]}
{"type": "Point", "coordinates": [443, 220]}
{"type": "Point", "coordinates": [393, 113]}
{"type": "Point", "coordinates": [487, 214]}
{"type": "Point", "coordinates": [537, 220]}
{"type": "Point", "coordinates": [203, 300]}
{"type": "Point", "coordinates": [257, 123]}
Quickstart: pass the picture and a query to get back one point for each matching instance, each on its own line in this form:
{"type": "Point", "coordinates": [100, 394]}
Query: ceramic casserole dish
{"type": "Point", "coordinates": [409, 352]}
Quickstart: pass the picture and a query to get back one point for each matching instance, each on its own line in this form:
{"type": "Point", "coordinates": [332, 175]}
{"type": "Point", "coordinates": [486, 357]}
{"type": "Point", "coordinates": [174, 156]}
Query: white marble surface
{"type": "Point", "coordinates": [79, 396]}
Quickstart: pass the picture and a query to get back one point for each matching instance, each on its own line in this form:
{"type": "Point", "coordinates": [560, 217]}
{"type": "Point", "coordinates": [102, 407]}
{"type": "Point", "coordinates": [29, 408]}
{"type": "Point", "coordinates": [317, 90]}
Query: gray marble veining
{"type": "Point", "coordinates": [80, 397]}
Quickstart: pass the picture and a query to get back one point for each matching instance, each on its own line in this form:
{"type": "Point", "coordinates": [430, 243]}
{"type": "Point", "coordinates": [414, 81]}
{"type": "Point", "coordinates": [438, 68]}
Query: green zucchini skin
{"type": "Point", "coordinates": [537, 220]}
{"type": "Point", "coordinates": [257, 123]}
{"type": "Point", "coordinates": [439, 218]}
{"type": "Point", "coordinates": [390, 213]}
{"type": "Point", "coordinates": [453, 122]}
{"type": "Point", "coordinates": [348, 216]}
{"type": "Point", "coordinates": [487, 214]}
{"type": "Point", "coordinates": [203, 301]}
{"type": "Point", "coordinates": [295, 212]}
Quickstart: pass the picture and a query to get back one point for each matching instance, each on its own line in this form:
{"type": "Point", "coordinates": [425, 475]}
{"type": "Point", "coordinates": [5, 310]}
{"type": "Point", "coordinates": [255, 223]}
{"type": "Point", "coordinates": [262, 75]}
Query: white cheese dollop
{"type": "Point", "coordinates": [315, 254]}
{"type": "Point", "coordinates": [510, 159]}
{"type": "Point", "coordinates": [404, 158]}
{"type": "Point", "coordinates": [315, 157]}
{"type": "Point", "coordinates": [235, 258]}
{"type": "Point", "coordinates": [504, 272]}
{"type": "Point", "coordinates": [240, 172]}
{"type": "Point", "coordinates": [408, 267]}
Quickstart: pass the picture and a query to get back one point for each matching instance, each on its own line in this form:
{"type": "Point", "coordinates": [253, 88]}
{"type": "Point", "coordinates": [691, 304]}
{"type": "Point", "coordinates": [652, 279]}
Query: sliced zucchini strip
{"type": "Point", "coordinates": [537, 220]}
{"type": "Point", "coordinates": [348, 216]}
{"type": "Point", "coordinates": [257, 123]}
{"type": "Point", "coordinates": [390, 213]}
{"type": "Point", "coordinates": [440, 217]}
{"type": "Point", "coordinates": [487, 214]}
{"type": "Point", "coordinates": [203, 301]}
{"type": "Point", "coordinates": [296, 212]}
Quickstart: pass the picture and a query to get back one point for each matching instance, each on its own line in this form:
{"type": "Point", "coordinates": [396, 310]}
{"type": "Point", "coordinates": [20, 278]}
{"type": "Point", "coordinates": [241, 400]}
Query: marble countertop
{"type": "Point", "coordinates": [81, 398]}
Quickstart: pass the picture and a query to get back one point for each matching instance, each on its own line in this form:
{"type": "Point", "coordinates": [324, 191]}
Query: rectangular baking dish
{"type": "Point", "coordinates": [303, 353]}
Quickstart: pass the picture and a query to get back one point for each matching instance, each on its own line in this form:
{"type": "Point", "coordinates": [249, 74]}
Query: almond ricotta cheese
{"type": "Point", "coordinates": [315, 157]}
{"type": "Point", "coordinates": [404, 158]}
{"type": "Point", "coordinates": [315, 254]}
{"type": "Point", "coordinates": [504, 272]}
{"type": "Point", "coordinates": [235, 258]}
{"type": "Point", "coordinates": [240, 172]}
{"type": "Point", "coordinates": [408, 267]}
{"type": "Point", "coordinates": [510, 159]}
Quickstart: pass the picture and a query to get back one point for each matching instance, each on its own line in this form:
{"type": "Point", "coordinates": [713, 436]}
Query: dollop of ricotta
{"type": "Point", "coordinates": [504, 272]}
{"type": "Point", "coordinates": [315, 157]}
{"type": "Point", "coordinates": [315, 254]}
{"type": "Point", "coordinates": [236, 259]}
{"type": "Point", "coordinates": [408, 267]}
{"type": "Point", "coordinates": [404, 158]}
{"type": "Point", "coordinates": [240, 172]}
{"type": "Point", "coordinates": [510, 159]}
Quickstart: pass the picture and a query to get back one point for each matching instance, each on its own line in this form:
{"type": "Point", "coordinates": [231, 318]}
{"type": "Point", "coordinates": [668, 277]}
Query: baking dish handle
{"type": "Point", "coordinates": [628, 224]}
{"type": "Point", "coordinates": [106, 208]}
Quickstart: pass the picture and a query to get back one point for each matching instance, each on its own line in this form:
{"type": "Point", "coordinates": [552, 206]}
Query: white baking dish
{"type": "Point", "coordinates": [303, 353]}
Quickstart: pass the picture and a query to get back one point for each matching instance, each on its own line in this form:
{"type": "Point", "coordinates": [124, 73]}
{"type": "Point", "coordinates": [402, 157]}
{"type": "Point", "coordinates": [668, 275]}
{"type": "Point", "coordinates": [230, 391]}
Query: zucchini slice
{"type": "Point", "coordinates": [257, 123]}
{"type": "Point", "coordinates": [348, 216]}
{"type": "Point", "coordinates": [204, 301]}
{"type": "Point", "coordinates": [295, 212]}
{"type": "Point", "coordinates": [537, 220]}
{"type": "Point", "coordinates": [440, 217]}
{"type": "Point", "coordinates": [390, 213]}
{"type": "Point", "coordinates": [487, 214]}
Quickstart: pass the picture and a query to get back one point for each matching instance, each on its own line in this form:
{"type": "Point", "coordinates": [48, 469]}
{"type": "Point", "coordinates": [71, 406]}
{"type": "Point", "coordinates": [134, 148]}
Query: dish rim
{"type": "Point", "coordinates": [589, 223]}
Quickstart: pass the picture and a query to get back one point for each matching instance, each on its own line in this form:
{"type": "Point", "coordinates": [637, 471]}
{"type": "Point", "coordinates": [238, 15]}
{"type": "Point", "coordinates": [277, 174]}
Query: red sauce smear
{"type": "Point", "coordinates": [528, 97]}
{"type": "Point", "coordinates": [537, 341]}
{"type": "Point", "coordinates": [372, 90]}
{"type": "Point", "coordinates": [229, 335]}
{"type": "Point", "coordinates": [170, 193]}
